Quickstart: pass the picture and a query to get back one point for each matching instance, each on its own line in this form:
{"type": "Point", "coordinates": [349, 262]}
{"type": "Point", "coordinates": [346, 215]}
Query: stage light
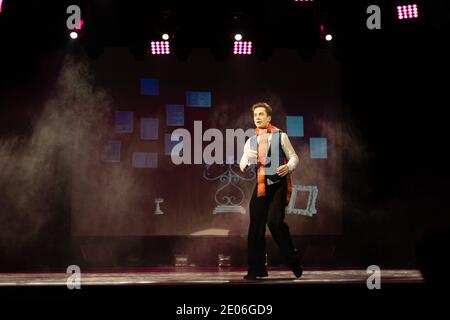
{"type": "Point", "coordinates": [165, 36]}
{"type": "Point", "coordinates": [239, 25]}
{"type": "Point", "coordinates": [242, 47]}
{"type": "Point", "coordinates": [224, 260]}
{"type": "Point", "coordinates": [74, 34]}
{"type": "Point", "coordinates": [409, 11]}
{"type": "Point", "coordinates": [1, 5]}
{"type": "Point", "coordinates": [303, 0]}
{"type": "Point", "coordinates": [159, 47]}
{"type": "Point", "coordinates": [326, 32]}
{"type": "Point", "coordinates": [81, 24]}
{"type": "Point", "coordinates": [181, 260]}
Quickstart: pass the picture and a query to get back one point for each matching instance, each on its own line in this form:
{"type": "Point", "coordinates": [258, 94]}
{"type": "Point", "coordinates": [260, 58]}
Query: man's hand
{"type": "Point", "coordinates": [283, 170]}
{"type": "Point", "coordinates": [253, 156]}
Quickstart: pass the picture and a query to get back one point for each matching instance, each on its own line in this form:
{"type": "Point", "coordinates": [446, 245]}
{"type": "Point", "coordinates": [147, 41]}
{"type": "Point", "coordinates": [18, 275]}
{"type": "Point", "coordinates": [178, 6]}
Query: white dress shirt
{"type": "Point", "coordinates": [287, 149]}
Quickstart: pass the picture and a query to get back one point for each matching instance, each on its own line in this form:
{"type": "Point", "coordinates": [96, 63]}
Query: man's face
{"type": "Point", "coordinates": [261, 118]}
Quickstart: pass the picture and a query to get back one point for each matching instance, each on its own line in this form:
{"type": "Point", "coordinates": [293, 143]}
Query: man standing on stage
{"type": "Point", "coordinates": [275, 159]}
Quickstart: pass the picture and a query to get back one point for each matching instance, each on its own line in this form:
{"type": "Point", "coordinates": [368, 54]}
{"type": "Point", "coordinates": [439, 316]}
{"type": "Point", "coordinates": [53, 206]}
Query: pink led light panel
{"type": "Point", "coordinates": [409, 11]}
{"type": "Point", "coordinates": [242, 47]}
{"type": "Point", "coordinates": [159, 47]}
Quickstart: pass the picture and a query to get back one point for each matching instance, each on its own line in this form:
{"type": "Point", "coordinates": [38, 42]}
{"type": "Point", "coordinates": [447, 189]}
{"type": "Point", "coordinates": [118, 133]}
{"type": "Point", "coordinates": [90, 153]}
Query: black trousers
{"type": "Point", "coordinates": [270, 210]}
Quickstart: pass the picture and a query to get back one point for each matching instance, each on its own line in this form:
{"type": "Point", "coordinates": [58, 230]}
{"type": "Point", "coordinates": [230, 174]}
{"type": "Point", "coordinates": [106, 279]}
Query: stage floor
{"type": "Point", "coordinates": [166, 290]}
{"type": "Point", "coordinates": [206, 276]}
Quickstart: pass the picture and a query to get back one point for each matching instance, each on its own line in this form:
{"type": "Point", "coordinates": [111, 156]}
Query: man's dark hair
{"type": "Point", "coordinates": [262, 105]}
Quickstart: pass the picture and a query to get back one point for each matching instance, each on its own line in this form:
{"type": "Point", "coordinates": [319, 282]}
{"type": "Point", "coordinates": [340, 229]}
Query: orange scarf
{"type": "Point", "coordinates": [262, 157]}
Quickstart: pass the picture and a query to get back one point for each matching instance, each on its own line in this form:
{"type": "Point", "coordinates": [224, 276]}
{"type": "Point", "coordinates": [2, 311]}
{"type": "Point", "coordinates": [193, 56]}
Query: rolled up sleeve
{"type": "Point", "coordinates": [289, 152]}
{"type": "Point", "coordinates": [244, 163]}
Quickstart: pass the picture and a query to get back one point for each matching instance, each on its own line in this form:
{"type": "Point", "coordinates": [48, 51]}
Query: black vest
{"type": "Point", "coordinates": [275, 155]}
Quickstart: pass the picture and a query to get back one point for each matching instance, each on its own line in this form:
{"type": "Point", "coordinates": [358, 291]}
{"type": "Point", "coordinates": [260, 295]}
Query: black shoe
{"type": "Point", "coordinates": [296, 265]}
{"type": "Point", "coordinates": [297, 269]}
{"type": "Point", "coordinates": [255, 275]}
